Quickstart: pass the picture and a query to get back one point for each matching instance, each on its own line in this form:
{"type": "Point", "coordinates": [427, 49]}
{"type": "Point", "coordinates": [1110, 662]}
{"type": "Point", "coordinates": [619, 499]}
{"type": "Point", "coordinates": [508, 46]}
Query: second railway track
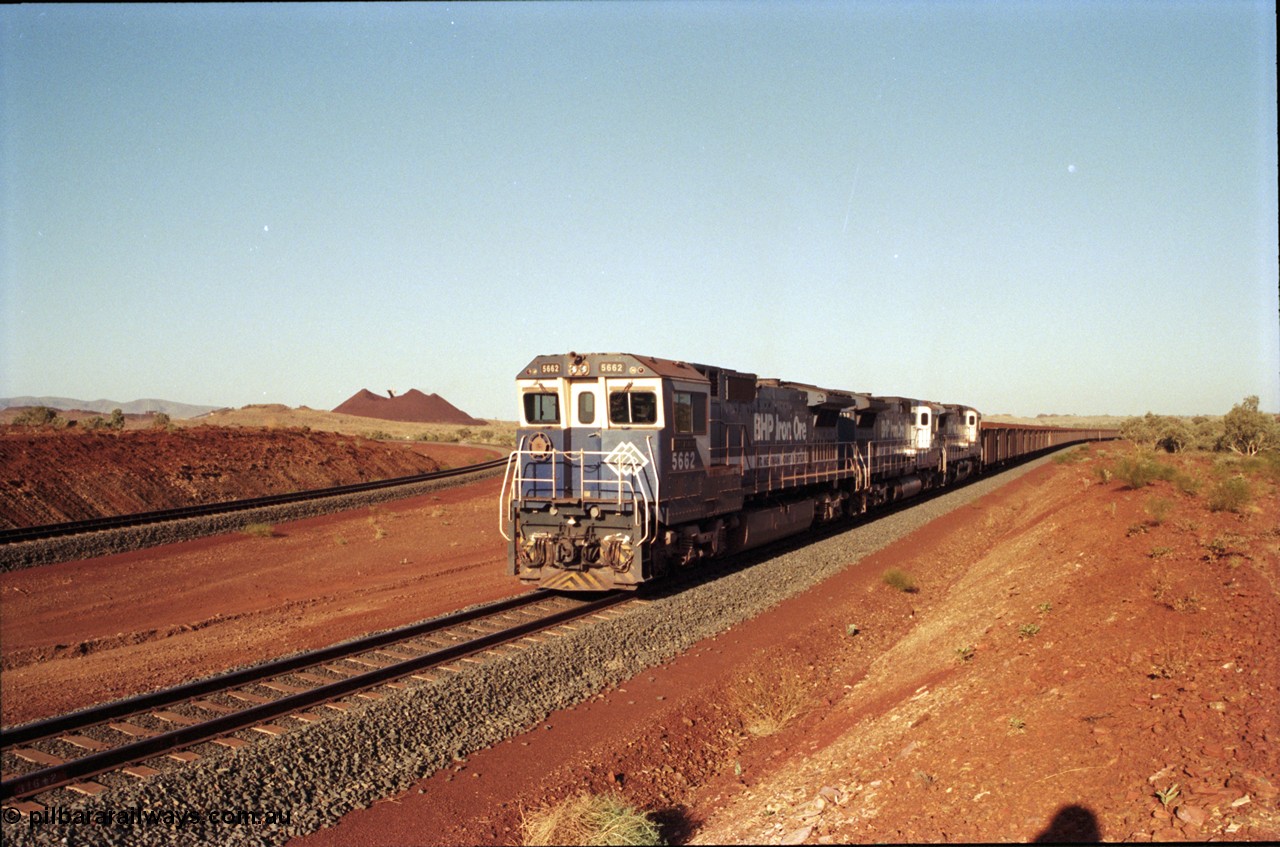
{"type": "Point", "coordinates": [34, 533]}
{"type": "Point", "coordinates": [135, 737]}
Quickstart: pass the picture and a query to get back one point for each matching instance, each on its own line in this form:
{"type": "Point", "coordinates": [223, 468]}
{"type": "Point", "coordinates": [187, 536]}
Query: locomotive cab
{"type": "Point", "coordinates": [959, 426]}
{"type": "Point", "coordinates": [958, 433]}
{"type": "Point", "coordinates": [923, 426]}
{"type": "Point", "coordinates": [605, 442]}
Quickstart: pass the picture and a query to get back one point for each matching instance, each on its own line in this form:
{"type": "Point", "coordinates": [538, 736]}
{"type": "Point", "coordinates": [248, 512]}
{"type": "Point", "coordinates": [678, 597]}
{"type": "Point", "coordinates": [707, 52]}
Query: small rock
{"type": "Point", "coordinates": [833, 795]}
{"type": "Point", "coordinates": [797, 836]}
{"type": "Point", "coordinates": [1192, 815]}
{"type": "Point", "coordinates": [1241, 801]}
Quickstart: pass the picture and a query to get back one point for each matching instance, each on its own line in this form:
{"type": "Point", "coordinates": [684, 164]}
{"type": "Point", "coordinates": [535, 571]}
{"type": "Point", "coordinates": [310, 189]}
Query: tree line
{"type": "Point", "coordinates": [1245, 430]}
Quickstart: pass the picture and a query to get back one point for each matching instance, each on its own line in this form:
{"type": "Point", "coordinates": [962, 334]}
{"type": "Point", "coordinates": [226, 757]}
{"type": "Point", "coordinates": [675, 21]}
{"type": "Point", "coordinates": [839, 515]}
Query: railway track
{"type": "Point", "coordinates": [35, 533]}
{"type": "Point", "coordinates": [137, 737]}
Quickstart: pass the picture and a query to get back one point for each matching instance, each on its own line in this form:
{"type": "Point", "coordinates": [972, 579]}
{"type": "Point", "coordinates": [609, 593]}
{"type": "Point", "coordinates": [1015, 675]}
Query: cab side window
{"type": "Point", "coordinates": [542, 408]}
{"type": "Point", "coordinates": [633, 407]}
{"type": "Point", "coordinates": [690, 413]}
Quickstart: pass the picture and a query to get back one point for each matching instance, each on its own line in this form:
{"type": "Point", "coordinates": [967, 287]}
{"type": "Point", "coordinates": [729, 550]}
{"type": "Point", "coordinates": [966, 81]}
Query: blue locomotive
{"type": "Point", "coordinates": [628, 466]}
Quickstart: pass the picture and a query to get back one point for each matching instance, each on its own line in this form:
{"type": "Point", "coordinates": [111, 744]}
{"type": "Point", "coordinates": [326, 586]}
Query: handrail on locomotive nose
{"type": "Point", "coordinates": [643, 494]}
{"type": "Point", "coordinates": [504, 502]}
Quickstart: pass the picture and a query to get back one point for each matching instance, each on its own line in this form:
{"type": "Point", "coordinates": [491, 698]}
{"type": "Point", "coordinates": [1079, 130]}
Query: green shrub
{"type": "Point", "coordinates": [1207, 434]}
{"type": "Point", "coordinates": [259, 530]}
{"type": "Point", "coordinates": [1140, 470]}
{"type": "Point", "coordinates": [1159, 508]}
{"type": "Point", "coordinates": [1187, 483]}
{"type": "Point", "coordinates": [38, 416]}
{"type": "Point", "coordinates": [1071, 457]}
{"type": "Point", "coordinates": [1247, 430]}
{"type": "Point", "coordinates": [1231, 495]}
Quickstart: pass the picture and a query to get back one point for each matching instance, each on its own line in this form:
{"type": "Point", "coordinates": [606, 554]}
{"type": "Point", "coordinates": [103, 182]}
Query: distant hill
{"type": "Point", "coordinates": [133, 407]}
{"type": "Point", "coordinates": [413, 405]}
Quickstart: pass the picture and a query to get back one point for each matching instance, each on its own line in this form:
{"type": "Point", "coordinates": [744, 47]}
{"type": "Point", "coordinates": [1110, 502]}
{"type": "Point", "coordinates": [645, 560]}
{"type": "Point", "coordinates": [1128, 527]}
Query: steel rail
{"type": "Point", "coordinates": [54, 776]}
{"type": "Point", "coordinates": [34, 533]}
{"type": "Point", "coordinates": [109, 711]}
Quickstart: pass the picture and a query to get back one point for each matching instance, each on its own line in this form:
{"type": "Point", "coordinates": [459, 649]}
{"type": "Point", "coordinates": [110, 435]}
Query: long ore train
{"type": "Point", "coordinates": [627, 466]}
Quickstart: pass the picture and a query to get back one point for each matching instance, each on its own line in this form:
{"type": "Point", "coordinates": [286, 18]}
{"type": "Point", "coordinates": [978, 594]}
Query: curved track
{"type": "Point", "coordinates": [121, 736]}
{"type": "Point", "coordinates": [34, 533]}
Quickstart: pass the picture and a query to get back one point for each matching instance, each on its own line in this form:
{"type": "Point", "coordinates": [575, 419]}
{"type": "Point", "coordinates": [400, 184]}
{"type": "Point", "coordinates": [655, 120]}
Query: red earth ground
{"type": "Point", "coordinates": [76, 633]}
{"type": "Point", "coordinates": [1074, 647]}
{"type": "Point", "coordinates": [50, 476]}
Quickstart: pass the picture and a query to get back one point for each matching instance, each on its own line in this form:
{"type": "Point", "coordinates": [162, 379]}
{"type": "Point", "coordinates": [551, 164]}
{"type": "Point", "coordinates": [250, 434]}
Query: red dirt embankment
{"type": "Point", "coordinates": [54, 476]}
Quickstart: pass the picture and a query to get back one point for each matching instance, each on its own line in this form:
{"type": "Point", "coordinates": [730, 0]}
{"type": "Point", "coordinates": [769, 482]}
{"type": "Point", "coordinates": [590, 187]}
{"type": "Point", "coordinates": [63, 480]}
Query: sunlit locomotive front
{"type": "Point", "coordinates": [597, 437]}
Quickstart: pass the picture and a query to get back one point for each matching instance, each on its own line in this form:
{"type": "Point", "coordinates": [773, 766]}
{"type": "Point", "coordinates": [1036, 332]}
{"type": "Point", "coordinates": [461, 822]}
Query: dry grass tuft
{"type": "Point", "coordinates": [590, 819]}
{"type": "Point", "coordinates": [259, 530]}
{"type": "Point", "coordinates": [767, 702]}
{"type": "Point", "coordinates": [900, 580]}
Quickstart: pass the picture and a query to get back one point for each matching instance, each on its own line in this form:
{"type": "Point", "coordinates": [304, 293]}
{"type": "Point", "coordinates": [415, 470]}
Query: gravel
{"type": "Point", "coordinates": [47, 551]}
{"type": "Point", "coordinates": [318, 773]}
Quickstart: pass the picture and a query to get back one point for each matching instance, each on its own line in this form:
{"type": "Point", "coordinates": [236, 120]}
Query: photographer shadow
{"type": "Point", "coordinates": [1072, 824]}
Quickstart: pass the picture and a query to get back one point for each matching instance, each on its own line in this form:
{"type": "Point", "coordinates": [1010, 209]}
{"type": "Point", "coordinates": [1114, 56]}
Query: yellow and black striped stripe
{"type": "Point", "coordinates": [559, 580]}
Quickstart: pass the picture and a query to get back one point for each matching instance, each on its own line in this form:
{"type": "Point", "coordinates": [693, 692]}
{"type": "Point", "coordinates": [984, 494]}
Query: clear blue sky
{"type": "Point", "coordinates": [1031, 207]}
